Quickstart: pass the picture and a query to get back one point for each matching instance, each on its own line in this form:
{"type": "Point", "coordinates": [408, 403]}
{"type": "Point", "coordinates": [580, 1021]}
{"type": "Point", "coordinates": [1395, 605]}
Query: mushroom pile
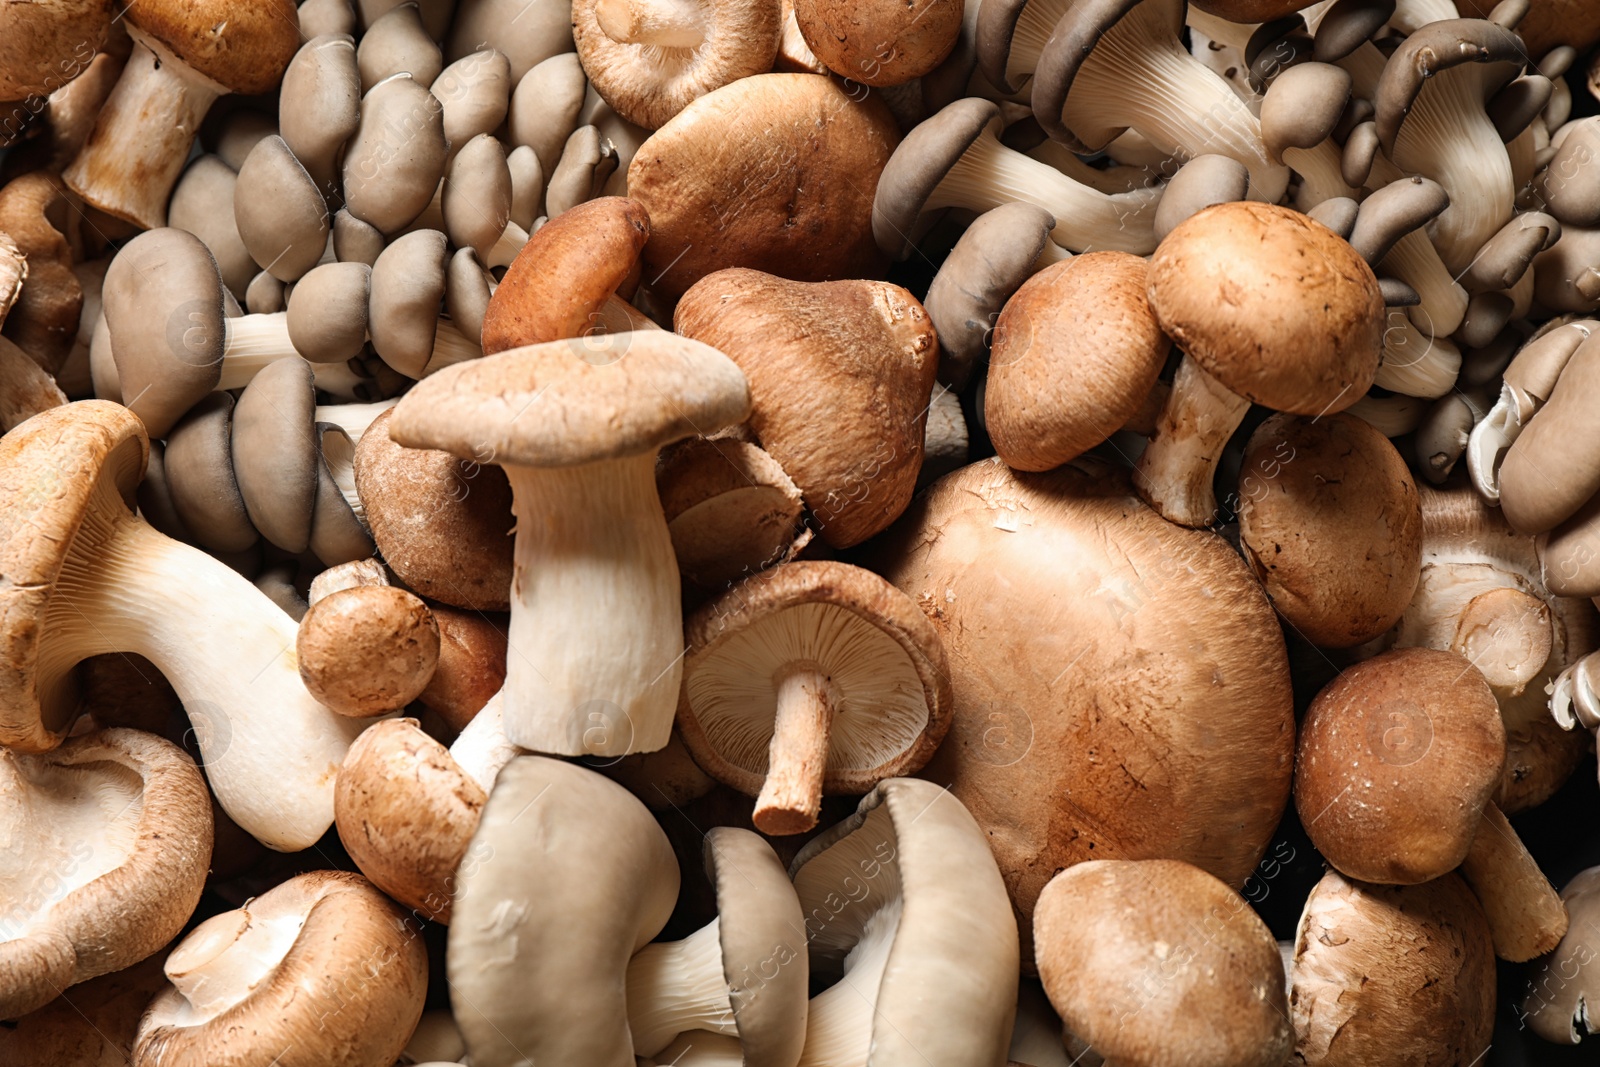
{"type": "Point", "coordinates": [798, 533]}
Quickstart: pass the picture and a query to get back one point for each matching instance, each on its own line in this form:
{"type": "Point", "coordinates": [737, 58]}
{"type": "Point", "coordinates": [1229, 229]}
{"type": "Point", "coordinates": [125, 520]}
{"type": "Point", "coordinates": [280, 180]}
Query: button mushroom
{"type": "Point", "coordinates": [368, 650]}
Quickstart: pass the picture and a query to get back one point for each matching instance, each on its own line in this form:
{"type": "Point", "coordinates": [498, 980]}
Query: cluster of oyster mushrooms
{"type": "Point", "coordinates": [629, 533]}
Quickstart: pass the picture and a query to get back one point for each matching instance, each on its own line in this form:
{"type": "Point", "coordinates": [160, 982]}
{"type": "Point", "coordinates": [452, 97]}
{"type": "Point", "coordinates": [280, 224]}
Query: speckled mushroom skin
{"type": "Point", "coordinates": [244, 46]}
{"type": "Point", "coordinates": [880, 42]}
{"type": "Point", "coordinates": [43, 46]}
{"type": "Point", "coordinates": [1121, 685]}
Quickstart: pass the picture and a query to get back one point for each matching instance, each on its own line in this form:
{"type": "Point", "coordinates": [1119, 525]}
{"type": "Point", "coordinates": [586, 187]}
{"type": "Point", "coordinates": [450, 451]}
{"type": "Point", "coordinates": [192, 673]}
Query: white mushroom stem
{"type": "Point", "coordinates": [339, 453]}
{"type": "Point", "coordinates": [1506, 634]}
{"type": "Point", "coordinates": [1526, 917]}
{"type": "Point", "coordinates": [593, 557]}
{"type": "Point", "coordinates": [450, 346]}
{"type": "Point", "coordinates": [481, 749]}
{"type": "Point", "coordinates": [839, 1025]}
{"type": "Point", "coordinates": [251, 343]}
{"type": "Point", "coordinates": [506, 247]}
{"type": "Point", "coordinates": [674, 986]}
{"type": "Point", "coordinates": [1493, 437]}
{"type": "Point", "coordinates": [1139, 75]}
{"type": "Point", "coordinates": [655, 23]}
{"type": "Point", "coordinates": [270, 751]}
{"type": "Point", "coordinates": [353, 419]}
{"type": "Point", "coordinates": [1392, 416]}
{"type": "Point", "coordinates": [989, 174]}
{"type": "Point", "coordinates": [791, 796]}
{"type": "Point", "coordinates": [223, 959]}
{"type": "Point", "coordinates": [1320, 175]}
{"type": "Point", "coordinates": [1415, 261]}
{"type": "Point", "coordinates": [1176, 471]}
{"type": "Point", "coordinates": [1414, 363]}
{"type": "Point", "coordinates": [1411, 15]}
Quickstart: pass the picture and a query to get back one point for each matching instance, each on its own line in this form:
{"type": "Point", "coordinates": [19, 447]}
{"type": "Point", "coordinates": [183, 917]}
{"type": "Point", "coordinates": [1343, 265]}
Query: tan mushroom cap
{"type": "Point", "coordinates": [1273, 305]}
{"type": "Point", "coordinates": [1435, 47]}
{"type": "Point", "coordinates": [198, 464]}
{"type": "Point", "coordinates": [1553, 467]}
{"type": "Point", "coordinates": [242, 46]}
{"type": "Point", "coordinates": [281, 215]}
{"type": "Point", "coordinates": [108, 839]}
{"type": "Point", "coordinates": [730, 508]}
{"type": "Point", "coordinates": [1330, 522]}
{"type": "Point", "coordinates": [35, 214]}
{"type": "Point", "coordinates": [1075, 352]}
{"type": "Point", "coordinates": [840, 375]}
{"type": "Point", "coordinates": [367, 650]}
{"type": "Point", "coordinates": [44, 46]}
{"type": "Point", "coordinates": [327, 312]}
{"type": "Point", "coordinates": [1391, 974]}
{"type": "Point", "coordinates": [775, 172]}
{"type": "Point", "coordinates": [472, 663]}
{"type": "Point", "coordinates": [442, 524]}
{"type": "Point", "coordinates": [275, 452]}
{"type": "Point", "coordinates": [880, 42]}
{"type": "Point", "coordinates": [278, 978]}
{"type": "Point", "coordinates": [1154, 961]}
{"type": "Point", "coordinates": [1397, 758]}
{"type": "Point", "coordinates": [566, 272]}
{"type": "Point", "coordinates": [94, 1024]}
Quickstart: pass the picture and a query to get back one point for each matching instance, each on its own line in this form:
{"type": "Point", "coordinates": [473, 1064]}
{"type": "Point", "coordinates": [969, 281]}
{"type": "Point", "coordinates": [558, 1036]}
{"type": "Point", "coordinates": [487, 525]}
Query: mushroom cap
{"type": "Point", "coordinates": [95, 1025]}
{"type": "Point", "coordinates": [393, 163]}
{"type": "Point", "coordinates": [881, 654]}
{"type": "Point", "coordinates": [406, 811]}
{"type": "Point", "coordinates": [327, 314]}
{"type": "Point", "coordinates": [1398, 756]}
{"type": "Point", "coordinates": [1250, 10]}
{"type": "Point", "coordinates": [774, 172]}
{"type": "Point", "coordinates": [1435, 47]}
{"type": "Point", "coordinates": [840, 374]}
{"type": "Point", "coordinates": [44, 320]}
{"type": "Point", "coordinates": [538, 406]}
{"type": "Point", "coordinates": [880, 42]}
{"type": "Point", "coordinates": [1075, 352]}
{"type": "Point", "coordinates": [730, 508]}
{"type": "Point", "coordinates": [1303, 106]}
{"type": "Point", "coordinates": [920, 163]}
{"type": "Point", "coordinates": [1100, 653]}
{"type": "Point", "coordinates": [442, 524]}
{"type": "Point", "coordinates": [1392, 974]}
{"type": "Point", "coordinates": [320, 104]}
{"type": "Point", "coordinates": [666, 778]}
{"type": "Point", "coordinates": [108, 839]}
{"type": "Point", "coordinates": [43, 46]}
{"type": "Point", "coordinates": [1203, 181]}
{"type": "Point", "coordinates": [1074, 40]}
{"type": "Point", "coordinates": [281, 215]}
{"type": "Point", "coordinates": [563, 276]}
{"type": "Point", "coordinates": [275, 452]}
{"type": "Point", "coordinates": [1560, 186]}
{"type": "Point", "coordinates": [1548, 23]}
{"type": "Point", "coordinates": [1393, 211]}
{"type": "Point", "coordinates": [647, 84]}
{"type": "Point", "coordinates": [338, 534]}
{"type": "Point", "coordinates": [408, 281]}
{"type": "Point", "coordinates": [198, 463]}
{"type": "Point", "coordinates": [1145, 958]}
{"type": "Point", "coordinates": [1330, 524]}
{"type": "Point", "coordinates": [1273, 305]}
{"type": "Point", "coordinates": [1556, 1005]}
{"type": "Point", "coordinates": [202, 203]}
{"type": "Point", "coordinates": [1553, 467]}
{"type": "Point", "coordinates": [546, 982]}
{"type": "Point", "coordinates": [53, 464]}
{"type": "Point", "coordinates": [244, 47]}
{"type": "Point", "coordinates": [949, 990]}
{"type": "Point", "coordinates": [368, 650]}
{"type": "Point", "coordinates": [472, 664]}
{"type": "Point", "coordinates": [279, 977]}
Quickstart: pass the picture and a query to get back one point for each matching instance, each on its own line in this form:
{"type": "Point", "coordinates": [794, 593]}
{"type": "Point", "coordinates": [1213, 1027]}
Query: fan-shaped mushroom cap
{"type": "Point", "coordinates": [322, 969]}
{"type": "Point", "coordinates": [204, 491]}
{"type": "Point", "coordinates": [393, 162]}
{"type": "Point", "coordinates": [282, 217]}
{"type": "Point", "coordinates": [1559, 987]}
{"type": "Point", "coordinates": [247, 54]}
{"type": "Point", "coordinates": [93, 1024]}
{"type": "Point", "coordinates": [1553, 467]}
{"type": "Point", "coordinates": [275, 452]}
{"type": "Point", "coordinates": [202, 203]}
{"type": "Point", "coordinates": [107, 842]}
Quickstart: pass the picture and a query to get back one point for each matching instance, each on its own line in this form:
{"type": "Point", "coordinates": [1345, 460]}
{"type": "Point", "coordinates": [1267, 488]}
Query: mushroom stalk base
{"type": "Point", "coordinates": [677, 986]}
{"type": "Point", "coordinates": [596, 635]}
{"type": "Point", "coordinates": [1174, 474]}
{"type": "Point", "coordinates": [791, 797]}
{"type": "Point", "coordinates": [1526, 917]}
{"type": "Point", "coordinates": [252, 344]}
{"type": "Point", "coordinates": [270, 751]}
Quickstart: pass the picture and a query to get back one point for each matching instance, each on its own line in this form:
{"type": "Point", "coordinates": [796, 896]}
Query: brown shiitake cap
{"type": "Point", "coordinates": [109, 838]}
{"type": "Point", "coordinates": [95, 1024]}
{"type": "Point", "coordinates": [1203, 181]}
{"type": "Point", "coordinates": [545, 107]}
{"type": "Point", "coordinates": [1391, 974]}
{"type": "Point", "coordinates": [281, 215]}
{"type": "Point", "coordinates": [200, 480]}
{"type": "Point", "coordinates": [275, 452]}
{"type": "Point", "coordinates": [327, 313]}
{"type": "Point", "coordinates": [276, 975]}
{"type": "Point", "coordinates": [1397, 758]}
{"type": "Point", "coordinates": [1075, 353]}
{"type": "Point", "coordinates": [472, 663]}
{"type": "Point", "coordinates": [35, 214]}
{"type": "Point", "coordinates": [566, 272]}
{"type": "Point", "coordinates": [1561, 986]}
{"type": "Point", "coordinates": [1331, 525]}
{"type": "Point", "coordinates": [13, 273]}
{"type": "Point", "coordinates": [1553, 467]}
{"type": "Point", "coordinates": [650, 61]}
{"type": "Point", "coordinates": [880, 42]}
{"type": "Point", "coordinates": [1432, 48]}
{"type": "Point", "coordinates": [393, 164]}
{"type": "Point", "coordinates": [884, 699]}
{"type": "Point", "coordinates": [1273, 305]}
{"type": "Point", "coordinates": [729, 506]}
{"type": "Point", "coordinates": [407, 284]}
{"type": "Point", "coordinates": [1155, 961]}
{"type": "Point", "coordinates": [202, 203]}
{"type": "Point", "coordinates": [43, 46]}
{"type": "Point", "coordinates": [368, 650]}
{"type": "Point", "coordinates": [775, 172]}
{"type": "Point", "coordinates": [320, 106]}
{"type": "Point", "coordinates": [244, 47]}
{"type": "Point", "coordinates": [540, 407]}
{"type": "Point", "coordinates": [991, 259]}
{"type": "Point", "coordinates": [443, 525]}
{"type": "Point", "coordinates": [864, 354]}
{"type": "Point", "coordinates": [396, 42]}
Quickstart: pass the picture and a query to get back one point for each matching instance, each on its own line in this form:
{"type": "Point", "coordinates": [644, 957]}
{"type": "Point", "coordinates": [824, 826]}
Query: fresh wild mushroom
{"type": "Point", "coordinates": [881, 43]}
{"type": "Point", "coordinates": [394, 160]}
{"type": "Point", "coordinates": [1556, 1005]}
{"type": "Point", "coordinates": [367, 651]}
{"type": "Point", "coordinates": [320, 107]}
{"type": "Point", "coordinates": [1552, 469]}
{"type": "Point", "coordinates": [730, 508]}
{"type": "Point", "coordinates": [202, 203]}
{"type": "Point", "coordinates": [93, 1023]}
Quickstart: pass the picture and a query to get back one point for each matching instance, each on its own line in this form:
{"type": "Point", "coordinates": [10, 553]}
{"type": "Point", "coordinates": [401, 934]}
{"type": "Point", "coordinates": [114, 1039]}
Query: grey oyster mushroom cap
{"type": "Point", "coordinates": [320, 106]}
{"type": "Point", "coordinates": [282, 217]}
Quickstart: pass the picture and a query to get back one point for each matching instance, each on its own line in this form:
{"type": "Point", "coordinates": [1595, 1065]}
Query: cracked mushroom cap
{"type": "Point", "coordinates": [1275, 306]}
{"type": "Point", "coordinates": [244, 47]}
{"type": "Point", "coordinates": [1075, 353]}
{"type": "Point", "coordinates": [1151, 962]}
{"type": "Point", "coordinates": [1391, 974]}
{"type": "Point", "coordinates": [649, 60]}
{"type": "Point", "coordinates": [320, 970]}
{"type": "Point", "coordinates": [1397, 758]}
{"type": "Point", "coordinates": [1331, 525]}
{"type": "Point", "coordinates": [1560, 987]}
{"type": "Point", "coordinates": [884, 703]}
{"type": "Point", "coordinates": [880, 42]}
{"type": "Point", "coordinates": [367, 650]}
{"type": "Point", "coordinates": [904, 899]}
{"type": "Point", "coordinates": [108, 839]}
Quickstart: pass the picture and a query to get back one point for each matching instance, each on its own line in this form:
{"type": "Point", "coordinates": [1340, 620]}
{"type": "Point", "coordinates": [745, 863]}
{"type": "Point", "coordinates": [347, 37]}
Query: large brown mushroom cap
{"type": "Point", "coordinates": [44, 46]}
{"type": "Point", "coordinates": [1155, 961]}
{"type": "Point", "coordinates": [1548, 23]}
{"type": "Point", "coordinates": [107, 842]}
{"type": "Point", "coordinates": [1121, 686]}
{"type": "Point", "coordinates": [91, 1024]}
{"type": "Point", "coordinates": [1275, 306]}
{"type": "Point", "coordinates": [242, 46]}
{"type": "Point", "coordinates": [880, 42]}
{"type": "Point", "coordinates": [775, 172]}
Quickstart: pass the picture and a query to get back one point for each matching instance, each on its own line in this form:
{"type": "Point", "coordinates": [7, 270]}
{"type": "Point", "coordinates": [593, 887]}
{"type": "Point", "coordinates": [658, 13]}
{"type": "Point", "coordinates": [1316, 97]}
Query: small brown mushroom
{"type": "Point", "coordinates": [730, 507]}
{"type": "Point", "coordinates": [367, 651]}
{"type": "Point", "coordinates": [883, 42]}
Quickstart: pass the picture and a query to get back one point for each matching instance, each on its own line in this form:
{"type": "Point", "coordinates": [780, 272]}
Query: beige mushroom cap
{"type": "Point", "coordinates": [1559, 986]}
{"type": "Point", "coordinates": [730, 508]}
{"type": "Point", "coordinates": [367, 650]}
{"type": "Point", "coordinates": [1153, 962]}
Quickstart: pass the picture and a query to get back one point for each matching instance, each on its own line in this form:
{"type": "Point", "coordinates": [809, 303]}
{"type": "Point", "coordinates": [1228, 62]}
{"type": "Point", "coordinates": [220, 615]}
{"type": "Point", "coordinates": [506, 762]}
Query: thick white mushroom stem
{"type": "Point", "coordinates": [270, 751]}
{"type": "Point", "coordinates": [481, 748]}
{"type": "Point", "coordinates": [656, 23]}
{"type": "Point", "coordinates": [141, 140]}
{"type": "Point", "coordinates": [1321, 178]}
{"type": "Point", "coordinates": [1415, 261]}
{"type": "Point", "coordinates": [1526, 916]}
{"type": "Point", "coordinates": [506, 246]}
{"type": "Point", "coordinates": [791, 797]}
{"type": "Point", "coordinates": [839, 1024]}
{"type": "Point", "coordinates": [674, 986]}
{"type": "Point", "coordinates": [1415, 363]}
{"type": "Point", "coordinates": [1506, 634]}
{"type": "Point", "coordinates": [596, 630]}
{"type": "Point", "coordinates": [1175, 472]}
{"type": "Point", "coordinates": [252, 343]}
